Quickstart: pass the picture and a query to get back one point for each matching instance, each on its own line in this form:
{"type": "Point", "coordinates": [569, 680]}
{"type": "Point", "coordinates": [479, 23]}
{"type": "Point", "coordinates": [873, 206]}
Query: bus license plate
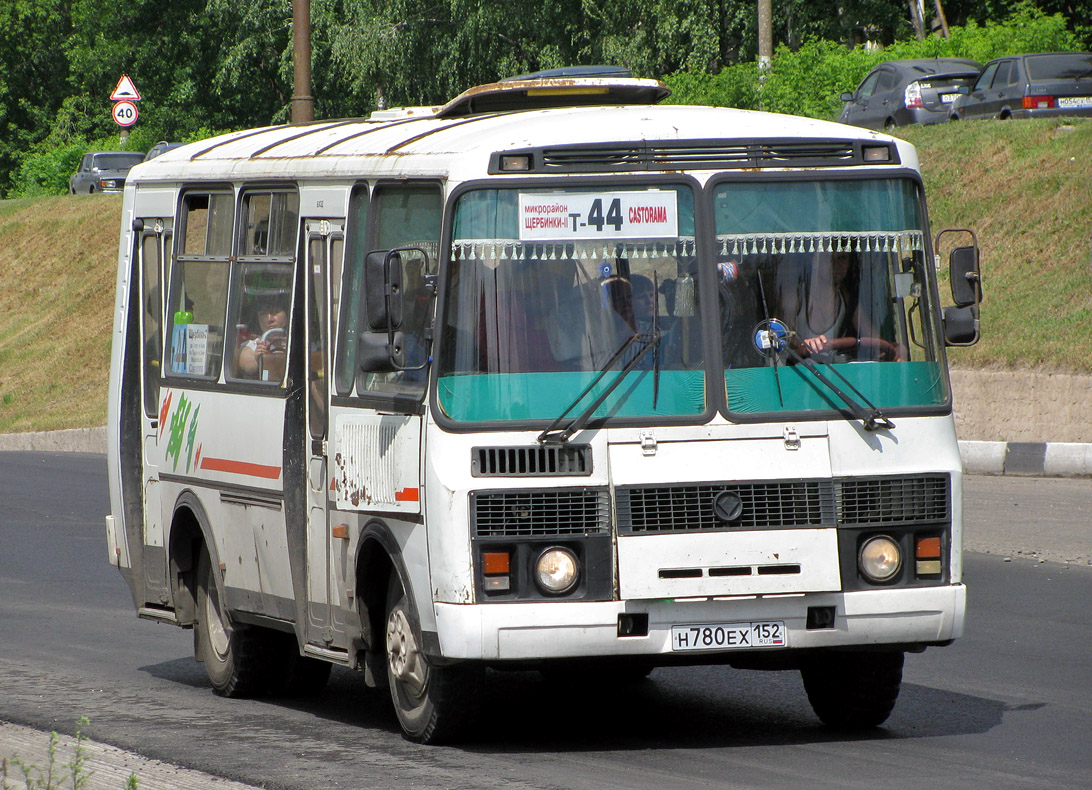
{"type": "Point", "coordinates": [728, 636]}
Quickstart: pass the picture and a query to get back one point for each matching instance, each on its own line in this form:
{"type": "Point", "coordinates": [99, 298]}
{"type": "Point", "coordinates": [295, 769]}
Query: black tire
{"type": "Point", "coordinates": [851, 690]}
{"type": "Point", "coordinates": [236, 657]}
{"type": "Point", "coordinates": [434, 704]}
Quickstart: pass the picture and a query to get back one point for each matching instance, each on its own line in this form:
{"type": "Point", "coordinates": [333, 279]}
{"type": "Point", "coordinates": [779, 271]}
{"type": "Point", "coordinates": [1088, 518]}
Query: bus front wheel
{"type": "Point", "coordinates": [234, 656]}
{"type": "Point", "coordinates": [850, 690]}
{"type": "Point", "coordinates": [433, 703]}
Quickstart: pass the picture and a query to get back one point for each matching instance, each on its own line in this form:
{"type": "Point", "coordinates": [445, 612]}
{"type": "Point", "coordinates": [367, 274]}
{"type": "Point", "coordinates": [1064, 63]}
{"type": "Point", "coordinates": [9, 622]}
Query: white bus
{"type": "Point", "coordinates": [551, 377]}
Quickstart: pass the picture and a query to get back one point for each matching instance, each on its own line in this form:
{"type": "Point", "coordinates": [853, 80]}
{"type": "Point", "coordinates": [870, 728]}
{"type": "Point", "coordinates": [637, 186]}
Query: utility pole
{"type": "Point", "coordinates": [765, 45]}
{"type": "Point", "coordinates": [765, 35]}
{"type": "Point", "coordinates": [303, 104]}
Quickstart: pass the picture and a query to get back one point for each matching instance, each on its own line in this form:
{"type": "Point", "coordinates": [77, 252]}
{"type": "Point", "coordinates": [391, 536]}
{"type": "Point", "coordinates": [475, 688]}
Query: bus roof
{"type": "Point", "coordinates": [424, 141]}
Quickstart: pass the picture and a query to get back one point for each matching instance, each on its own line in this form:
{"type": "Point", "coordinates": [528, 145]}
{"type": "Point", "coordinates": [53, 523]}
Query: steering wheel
{"type": "Point", "coordinates": [276, 338]}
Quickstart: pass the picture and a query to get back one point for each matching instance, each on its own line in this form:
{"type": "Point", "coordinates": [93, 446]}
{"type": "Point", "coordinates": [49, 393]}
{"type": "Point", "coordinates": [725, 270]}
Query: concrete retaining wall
{"type": "Point", "coordinates": [1011, 406]}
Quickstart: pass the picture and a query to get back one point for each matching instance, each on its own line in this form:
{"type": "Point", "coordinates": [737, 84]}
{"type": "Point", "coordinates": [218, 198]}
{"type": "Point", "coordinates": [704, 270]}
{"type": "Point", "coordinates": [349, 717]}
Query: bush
{"type": "Point", "coordinates": [45, 170]}
{"type": "Point", "coordinates": [810, 80]}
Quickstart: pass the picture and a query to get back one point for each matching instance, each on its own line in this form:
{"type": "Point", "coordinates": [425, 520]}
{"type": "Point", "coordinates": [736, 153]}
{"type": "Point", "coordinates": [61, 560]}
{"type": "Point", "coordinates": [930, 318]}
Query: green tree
{"type": "Point", "coordinates": [33, 71]}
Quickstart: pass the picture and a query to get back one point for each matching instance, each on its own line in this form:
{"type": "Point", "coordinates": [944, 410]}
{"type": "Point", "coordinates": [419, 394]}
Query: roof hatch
{"type": "Point", "coordinates": [575, 86]}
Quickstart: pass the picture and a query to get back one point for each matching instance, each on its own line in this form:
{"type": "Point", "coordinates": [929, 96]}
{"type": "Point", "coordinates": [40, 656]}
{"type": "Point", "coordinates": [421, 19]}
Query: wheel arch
{"type": "Point", "coordinates": [378, 557]}
{"type": "Point", "coordinates": [189, 533]}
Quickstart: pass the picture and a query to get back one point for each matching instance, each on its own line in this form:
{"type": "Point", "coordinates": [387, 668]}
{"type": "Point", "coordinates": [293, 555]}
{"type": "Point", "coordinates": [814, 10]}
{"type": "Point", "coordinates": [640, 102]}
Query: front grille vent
{"type": "Point", "coordinates": [533, 461]}
{"type": "Point", "coordinates": [765, 505]}
{"type": "Point", "coordinates": [711, 156]}
{"type": "Point", "coordinates": [782, 504]}
{"type": "Point", "coordinates": [695, 155]}
{"type": "Point", "coordinates": [545, 513]}
{"type": "Point", "coordinates": [893, 500]}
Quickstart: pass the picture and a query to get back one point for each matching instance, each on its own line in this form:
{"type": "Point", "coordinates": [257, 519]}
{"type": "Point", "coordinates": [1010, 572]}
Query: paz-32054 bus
{"type": "Point", "coordinates": [551, 377]}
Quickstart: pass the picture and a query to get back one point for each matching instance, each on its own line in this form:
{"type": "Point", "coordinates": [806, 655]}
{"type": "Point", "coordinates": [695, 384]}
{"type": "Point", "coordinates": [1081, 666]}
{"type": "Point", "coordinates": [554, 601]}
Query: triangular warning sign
{"type": "Point", "coordinates": [125, 90]}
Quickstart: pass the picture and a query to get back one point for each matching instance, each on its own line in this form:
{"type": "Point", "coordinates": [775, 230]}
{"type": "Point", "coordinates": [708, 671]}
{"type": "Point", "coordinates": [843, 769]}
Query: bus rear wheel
{"type": "Point", "coordinates": [851, 690]}
{"type": "Point", "coordinates": [234, 655]}
{"type": "Point", "coordinates": [434, 704]}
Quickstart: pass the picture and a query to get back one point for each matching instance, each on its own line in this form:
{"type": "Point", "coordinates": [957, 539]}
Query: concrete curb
{"type": "Point", "coordinates": [103, 767]}
{"type": "Point", "coordinates": [1028, 459]}
{"type": "Point", "coordinates": [75, 440]}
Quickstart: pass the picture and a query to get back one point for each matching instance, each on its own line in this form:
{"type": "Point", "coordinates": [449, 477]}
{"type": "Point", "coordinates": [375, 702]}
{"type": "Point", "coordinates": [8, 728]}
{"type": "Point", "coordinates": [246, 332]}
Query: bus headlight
{"type": "Point", "coordinates": [556, 570]}
{"type": "Point", "coordinates": [879, 559]}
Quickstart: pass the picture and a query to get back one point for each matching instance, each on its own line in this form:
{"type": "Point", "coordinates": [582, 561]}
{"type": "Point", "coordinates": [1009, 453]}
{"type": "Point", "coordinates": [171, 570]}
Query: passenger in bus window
{"type": "Point", "coordinates": [264, 357]}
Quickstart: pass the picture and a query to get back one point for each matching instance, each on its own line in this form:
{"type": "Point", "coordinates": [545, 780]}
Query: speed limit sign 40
{"type": "Point", "coordinates": [125, 113]}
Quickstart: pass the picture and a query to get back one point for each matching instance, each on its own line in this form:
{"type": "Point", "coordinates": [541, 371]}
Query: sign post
{"type": "Point", "coordinates": [125, 111]}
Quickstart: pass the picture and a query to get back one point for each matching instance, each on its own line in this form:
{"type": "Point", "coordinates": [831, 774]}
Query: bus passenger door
{"type": "Point", "coordinates": [154, 248]}
{"type": "Point", "coordinates": [326, 550]}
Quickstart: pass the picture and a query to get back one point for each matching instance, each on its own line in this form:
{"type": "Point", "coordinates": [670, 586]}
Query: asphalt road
{"type": "Point", "coordinates": [1006, 706]}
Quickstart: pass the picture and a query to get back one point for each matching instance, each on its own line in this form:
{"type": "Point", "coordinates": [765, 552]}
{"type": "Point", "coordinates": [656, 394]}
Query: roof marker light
{"type": "Point", "coordinates": [521, 163]}
{"type": "Point", "coordinates": [876, 153]}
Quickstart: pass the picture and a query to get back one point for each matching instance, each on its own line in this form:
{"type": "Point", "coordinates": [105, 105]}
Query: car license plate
{"type": "Point", "coordinates": [728, 636]}
{"type": "Point", "coordinates": [1074, 101]}
{"type": "Point", "coordinates": [948, 98]}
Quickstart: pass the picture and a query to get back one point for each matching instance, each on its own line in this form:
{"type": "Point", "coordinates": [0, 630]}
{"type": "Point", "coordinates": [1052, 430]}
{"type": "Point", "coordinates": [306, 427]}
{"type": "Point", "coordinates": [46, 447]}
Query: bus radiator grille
{"type": "Point", "coordinates": [540, 513]}
{"type": "Point", "coordinates": [782, 504]}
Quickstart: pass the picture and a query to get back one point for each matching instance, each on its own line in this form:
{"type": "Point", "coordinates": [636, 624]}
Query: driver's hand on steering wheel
{"type": "Point", "coordinates": [816, 344]}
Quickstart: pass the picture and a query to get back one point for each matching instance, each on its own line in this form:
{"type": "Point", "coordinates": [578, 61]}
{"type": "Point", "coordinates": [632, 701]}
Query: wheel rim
{"type": "Point", "coordinates": [403, 657]}
{"type": "Point", "coordinates": [214, 622]}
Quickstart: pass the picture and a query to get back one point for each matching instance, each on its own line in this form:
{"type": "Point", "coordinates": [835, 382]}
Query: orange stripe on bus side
{"type": "Point", "coordinates": [408, 495]}
{"type": "Point", "coordinates": [241, 468]}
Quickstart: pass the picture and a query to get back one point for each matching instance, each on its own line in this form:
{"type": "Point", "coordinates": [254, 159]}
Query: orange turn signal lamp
{"type": "Point", "coordinates": [928, 554]}
{"type": "Point", "coordinates": [496, 571]}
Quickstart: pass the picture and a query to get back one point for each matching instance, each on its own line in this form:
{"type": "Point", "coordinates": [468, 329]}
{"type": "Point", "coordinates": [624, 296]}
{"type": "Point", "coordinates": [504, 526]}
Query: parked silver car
{"type": "Point", "coordinates": [103, 171]}
{"type": "Point", "coordinates": [902, 92]}
{"type": "Point", "coordinates": [1029, 86]}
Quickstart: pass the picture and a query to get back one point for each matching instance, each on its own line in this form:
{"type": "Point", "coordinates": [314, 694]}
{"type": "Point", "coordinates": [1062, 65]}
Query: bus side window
{"type": "Point", "coordinates": [260, 311]}
{"type": "Point", "coordinates": [195, 315]}
{"type": "Point", "coordinates": [152, 319]}
{"type": "Point", "coordinates": [198, 290]}
{"type": "Point", "coordinates": [407, 217]}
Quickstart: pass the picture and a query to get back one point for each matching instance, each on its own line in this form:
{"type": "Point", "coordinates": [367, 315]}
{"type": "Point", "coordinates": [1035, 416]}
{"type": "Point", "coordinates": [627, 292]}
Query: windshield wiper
{"type": "Point", "coordinates": [553, 434]}
{"type": "Point", "coordinates": [862, 409]}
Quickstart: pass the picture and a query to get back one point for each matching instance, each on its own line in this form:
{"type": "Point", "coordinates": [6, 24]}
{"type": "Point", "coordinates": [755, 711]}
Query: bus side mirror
{"type": "Point", "coordinates": [380, 353]}
{"type": "Point", "coordinates": [383, 289]}
{"type": "Point", "coordinates": [960, 325]}
{"type": "Point", "coordinates": [963, 270]}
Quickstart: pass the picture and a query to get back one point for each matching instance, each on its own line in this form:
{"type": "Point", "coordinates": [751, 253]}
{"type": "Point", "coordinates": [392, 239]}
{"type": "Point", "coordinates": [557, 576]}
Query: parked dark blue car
{"type": "Point", "coordinates": [1029, 86]}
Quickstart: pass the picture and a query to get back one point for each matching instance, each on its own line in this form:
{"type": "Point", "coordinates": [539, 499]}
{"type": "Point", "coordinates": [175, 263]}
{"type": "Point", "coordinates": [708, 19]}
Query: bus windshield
{"type": "Point", "coordinates": [830, 270]}
{"type": "Point", "coordinates": [546, 285]}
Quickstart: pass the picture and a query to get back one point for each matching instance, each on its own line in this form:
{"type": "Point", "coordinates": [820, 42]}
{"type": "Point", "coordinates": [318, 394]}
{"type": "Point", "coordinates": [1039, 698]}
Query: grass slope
{"type": "Point", "coordinates": [1025, 187]}
{"type": "Point", "coordinates": [58, 259]}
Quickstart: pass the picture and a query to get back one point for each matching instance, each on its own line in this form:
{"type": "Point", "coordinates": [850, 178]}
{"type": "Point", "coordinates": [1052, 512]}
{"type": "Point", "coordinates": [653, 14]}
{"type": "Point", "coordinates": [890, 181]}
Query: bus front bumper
{"type": "Point", "coordinates": [513, 632]}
